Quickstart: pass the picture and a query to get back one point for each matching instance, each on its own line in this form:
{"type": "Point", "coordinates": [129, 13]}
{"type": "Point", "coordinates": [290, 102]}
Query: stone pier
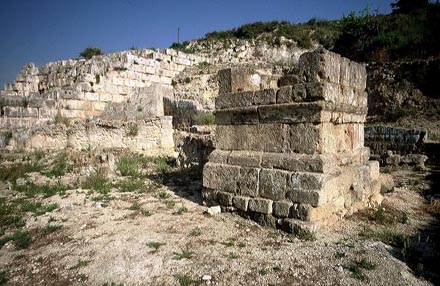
{"type": "Point", "coordinates": [293, 156]}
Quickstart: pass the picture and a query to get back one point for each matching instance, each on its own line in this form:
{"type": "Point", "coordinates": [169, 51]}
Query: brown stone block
{"type": "Point", "coordinates": [273, 184]}
{"type": "Point", "coordinates": [313, 198]}
{"type": "Point", "coordinates": [290, 113]}
{"type": "Point", "coordinates": [265, 96]}
{"type": "Point", "coordinates": [289, 79]}
{"type": "Point", "coordinates": [238, 79]}
{"type": "Point", "coordinates": [245, 158]}
{"type": "Point", "coordinates": [282, 209]}
{"type": "Point", "coordinates": [241, 203]}
{"type": "Point", "coordinates": [263, 137]}
{"type": "Point", "coordinates": [320, 66]}
{"type": "Point", "coordinates": [220, 177]}
{"type": "Point", "coordinates": [245, 115]}
{"type": "Point", "coordinates": [306, 181]}
{"type": "Point", "coordinates": [303, 138]}
{"type": "Point", "coordinates": [260, 206]}
{"type": "Point", "coordinates": [219, 156]}
{"type": "Point", "coordinates": [247, 183]}
{"type": "Point", "coordinates": [234, 100]}
{"type": "Point", "coordinates": [284, 94]}
{"type": "Point", "coordinates": [225, 198]}
{"type": "Point", "coordinates": [298, 162]}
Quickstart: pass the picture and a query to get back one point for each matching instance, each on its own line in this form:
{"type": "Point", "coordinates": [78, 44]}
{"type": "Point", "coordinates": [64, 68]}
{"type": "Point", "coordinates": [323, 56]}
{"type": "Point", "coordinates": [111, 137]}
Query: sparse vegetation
{"type": "Point", "coordinates": [133, 130]}
{"type": "Point", "coordinates": [50, 228]}
{"type": "Point", "coordinates": [98, 182]}
{"type": "Point", "coordinates": [185, 280]}
{"type": "Point", "coordinates": [128, 166]}
{"type": "Point", "coordinates": [203, 118]}
{"type": "Point", "coordinates": [197, 231]}
{"type": "Point", "coordinates": [233, 255]}
{"type": "Point", "coordinates": [90, 52]}
{"type": "Point", "coordinates": [80, 264]}
{"type": "Point", "coordinates": [356, 266]}
{"type": "Point", "coordinates": [185, 254]}
{"type": "Point", "coordinates": [155, 245]}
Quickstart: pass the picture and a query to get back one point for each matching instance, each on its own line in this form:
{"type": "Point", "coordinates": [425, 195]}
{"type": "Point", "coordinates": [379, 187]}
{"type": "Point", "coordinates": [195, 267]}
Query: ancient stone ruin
{"type": "Point", "coordinates": [293, 156]}
{"type": "Point", "coordinates": [109, 101]}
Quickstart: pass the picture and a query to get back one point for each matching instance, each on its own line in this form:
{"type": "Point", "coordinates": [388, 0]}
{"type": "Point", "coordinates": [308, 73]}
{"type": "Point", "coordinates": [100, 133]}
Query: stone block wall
{"type": "Point", "coordinates": [124, 86]}
{"type": "Point", "coordinates": [152, 136]}
{"type": "Point", "coordinates": [293, 156]}
{"type": "Point", "coordinates": [85, 88]}
{"type": "Point", "coordinates": [401, 141]}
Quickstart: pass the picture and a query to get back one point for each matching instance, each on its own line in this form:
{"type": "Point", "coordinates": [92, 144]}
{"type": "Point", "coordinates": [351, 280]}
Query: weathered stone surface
{"type": "Point", "coordinates": [300, 228]}
{"type": "Point", "coordinates": [238, 79]}
{"type": "Point", "coordinates": [304, 138]}
{"type": "Point", "coordinates": [284, 94]}
{"type": "Point", "coordinates": [302, 157]}
{"type": "Point", "coordinates": [260, 206]}
{"type": "Point", "coordinates": [220, 177]}
{"type": "Point", "coordinates": [273, 183]}
{"type": "Point", "coordinates": [305, 197]}
{"type": "Point", "coordinates": [246, 115]}
{"type": "Point", "coordinates": [287, 80]}
{"type": "Point", "coordinates": [234, 100]}
{"type": "Point", "coordinates": [247, 183]}
{"type": "Point", "coordinates": [251, 137]}
{"type": "Point", "coordinates": [306, 181]}
{"type": "Point", "coordinates": [219, 156]}
{"type": "Point", "coordinates": [245, 158]}
{"type": "Point", "coordinates": [290, 113]}
{"type": "Point", "coordinates": [320, 66]}
{"type": "Point", "coordinates": [265, 96]}
{"type": "Point", "coordinates": [374, 169]}
{"type": "Point", "coordinates": [225, 198]}
{"type": "Point", "coordinates": [281, 209]}
{"type": "Point", "coordinates": [241, 203]}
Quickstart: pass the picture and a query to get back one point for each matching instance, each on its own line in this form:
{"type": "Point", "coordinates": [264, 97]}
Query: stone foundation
{"type": "Point", "coordinates": [152, 136]}
{"type": "Point", "coordinates": [293, 156]}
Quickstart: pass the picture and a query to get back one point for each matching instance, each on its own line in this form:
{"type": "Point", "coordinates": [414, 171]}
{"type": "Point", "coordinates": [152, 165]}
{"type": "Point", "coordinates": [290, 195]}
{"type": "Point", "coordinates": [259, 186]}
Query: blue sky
{"type": "Point", "coordinates": [40, 31]}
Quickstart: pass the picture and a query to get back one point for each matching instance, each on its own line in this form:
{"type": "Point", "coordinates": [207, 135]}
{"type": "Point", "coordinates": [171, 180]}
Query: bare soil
{"type": "Point", "coordinates": [111, 241]}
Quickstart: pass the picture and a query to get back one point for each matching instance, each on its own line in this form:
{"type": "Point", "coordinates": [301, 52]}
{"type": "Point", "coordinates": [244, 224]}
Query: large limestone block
{"type": "Point", "coordinates": [234, 100]}
{"type": "Point", "coordinates": [219, 156]}
{"type": "Point", "coordinates": [306, 181]}
{"type": "Point", "coordinates": [273, 184]}
{"type": "Point", "coordinates": [320, 66]}
{"type": "Point", "coordinates": [245, 158]}
{"type": "Point", "coordinates": [246, 115]}
{"type": "Point", "coordinates": [263, 137]}
{"type": "Point", "coordinates": [304, 138]}
{"type": "Point", "coordinates": [260, 206]}
{"type": "Point", "coordinates": [247, 183]}
{"type": "Point", "coordinates": [238, 79]}
{"type": "Point", "coordinates": [313, 198]}
{"type": "Point", "coordinates": [324, 66]}
{"type": "Point", "coordinates": [221, 177]}
{"type": "Point", "coordinates": [298, 162]}
{"type": "Point", "coordinates": [291, 113]}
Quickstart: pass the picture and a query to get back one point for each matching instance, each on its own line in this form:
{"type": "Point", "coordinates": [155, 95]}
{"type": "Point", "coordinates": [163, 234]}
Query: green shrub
{"type": "Point", "coordinates": [203, 118]}
{"type": "Point", "coordinates": [128, 166]}
{"type": "Point", "coordinates": [21, 239]}
{"type": "Point", "coordinates": [90, 52]}
{"type": "Point", "coordinates": [133, 130]}
{"type": "Point", "coordinates": [98, 182]}
{"type": "Point", "coordinates": [59, 167]}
